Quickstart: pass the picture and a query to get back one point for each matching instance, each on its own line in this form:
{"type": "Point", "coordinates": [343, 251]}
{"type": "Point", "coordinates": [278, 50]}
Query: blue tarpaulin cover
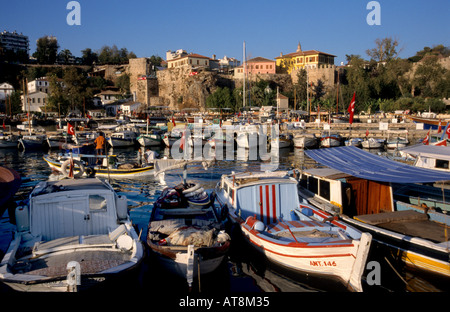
{"type": "Point", "coordinates": [365, 165]}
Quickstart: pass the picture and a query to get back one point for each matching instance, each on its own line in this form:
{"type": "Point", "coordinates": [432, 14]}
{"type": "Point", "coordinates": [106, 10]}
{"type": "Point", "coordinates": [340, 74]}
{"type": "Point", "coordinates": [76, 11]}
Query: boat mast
{"type": "Point", "coordinates": [245, 70]}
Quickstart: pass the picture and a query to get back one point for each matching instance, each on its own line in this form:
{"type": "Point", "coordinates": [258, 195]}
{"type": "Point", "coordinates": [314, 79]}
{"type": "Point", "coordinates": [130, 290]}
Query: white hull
{"type": "Point", "coordinates": [330, 142]}
{"type": "Point", "coordinates": [304, 141]}
{"type": "Point", "coordinates": [114, 142]}
{"type": "Point", "coordinates": [149, 141]}
{"type": "Point", "coordinates": [373, 143]}
{"type": "Point", "coordinates": [343, 262]}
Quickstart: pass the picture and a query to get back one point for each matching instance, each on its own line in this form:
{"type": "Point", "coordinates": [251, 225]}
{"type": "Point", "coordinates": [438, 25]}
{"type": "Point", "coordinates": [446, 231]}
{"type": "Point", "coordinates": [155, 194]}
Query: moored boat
{"type": "Point", "coordinates": [373, 143]}
{"type": "Point", "coordinates": [185, 233]}
{"type": "Point", "coordinates": [330, 139]}
{"type": "Point", "coordinates": [32, 141]}
{"type": "Point", "coordinates": [358, 186]}
{"type": "Point", "coordinates": [73, 234]}
{"type": "Point", "coordinates": [305, 140]}
{"type": "Point", "coordinates": [297, 236]}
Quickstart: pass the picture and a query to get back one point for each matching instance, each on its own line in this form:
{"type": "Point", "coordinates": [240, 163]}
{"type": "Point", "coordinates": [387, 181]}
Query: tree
{"type": "Point", "coordinates": [385, 50]}
{"type": "Point", "coordinates": [123, 83]}
{"type": "Point", "coordinates": [65, 57]}
{"type": "Point", "coordinates": [221, 98]}
{"type": "Point", "coordinates": [428, 76]}
{"type": "Point", "coordinates": [46, 50]}
{"type": "Point", "coordinates": [88, 57]}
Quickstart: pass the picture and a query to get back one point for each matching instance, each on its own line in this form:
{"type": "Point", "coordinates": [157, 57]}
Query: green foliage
{"type": "Point", "coordinates": [112, 55]}
{"type": "Point", "coordinates": [123, 83]}
{"type": "Point", "coordinates": [221, 98]}
{"type": "Point", "coordinates": [46, 50]}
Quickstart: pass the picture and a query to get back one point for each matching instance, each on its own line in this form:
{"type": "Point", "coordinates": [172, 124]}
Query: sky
{"type": "Point", "coordinates": [220, 27]}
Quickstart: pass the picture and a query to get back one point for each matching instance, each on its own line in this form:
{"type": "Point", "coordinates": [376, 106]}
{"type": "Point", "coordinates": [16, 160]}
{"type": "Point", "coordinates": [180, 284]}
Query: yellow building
{"type": "Point", "coordinates": [301, 59]}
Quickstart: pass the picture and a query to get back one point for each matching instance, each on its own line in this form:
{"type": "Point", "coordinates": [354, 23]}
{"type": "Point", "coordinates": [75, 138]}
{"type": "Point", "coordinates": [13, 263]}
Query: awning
{"type": "Point", "coordinates": [365, 165]}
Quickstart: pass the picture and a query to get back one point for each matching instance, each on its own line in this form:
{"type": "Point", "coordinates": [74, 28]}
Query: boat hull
{"type": "Point", "coordinates": [149, 140]}
{"type": "Point", "coordinates": [304, 142]}
{"type": "Point", "coordinates": [105, 172]}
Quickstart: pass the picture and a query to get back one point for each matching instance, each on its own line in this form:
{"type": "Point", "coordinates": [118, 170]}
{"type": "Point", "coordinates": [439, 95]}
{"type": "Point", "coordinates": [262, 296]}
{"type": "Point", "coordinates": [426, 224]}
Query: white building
{"type": "Point", "coordinates": [36, 102]}
{"type": "Point", "coordinates": [38, 85]}
{"type": "Point", "coordinates": [172, 55]}
{"type": "Point", "coordinates": [5, 90]}
{"type": "Point", "coordinates": [128, 108]}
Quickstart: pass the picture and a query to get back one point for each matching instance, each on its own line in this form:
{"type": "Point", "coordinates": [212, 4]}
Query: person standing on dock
{"type": "Point", "coordinates": [99, 145]}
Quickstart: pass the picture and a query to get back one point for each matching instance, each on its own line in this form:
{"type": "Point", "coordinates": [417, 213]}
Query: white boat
{"type": "Point", "coordinates": [58, 140]}
{"type": "Point", "coordinates": [354, 142]}
{"type": "Point", "coordinates": [330, 139]}
{"type": "Point", "coordinates": [185, 234]}
{"type": "Point", "coordinates": [294, 235]}
{"type": "Point", "coordinates": [73, 234]}
{"type": "Point", "coordinates": [305, 140]}
{"type": "Point", "coordinates": [86, 165]}
{"type": "Point", "coordinates": [247, 137]}
{"type": "Point", "coordinates": [373, 143]}
{"type": "Point", "coordinates": [434, 157]}
{"type": "Point", "coordinates": [150, 139]}
{"type": "Point", "coordinates": [123, 138]}
{"type": "Point", "coordinates": [358, 186]}
{"type": "Point", "coordinates": [397, 139]}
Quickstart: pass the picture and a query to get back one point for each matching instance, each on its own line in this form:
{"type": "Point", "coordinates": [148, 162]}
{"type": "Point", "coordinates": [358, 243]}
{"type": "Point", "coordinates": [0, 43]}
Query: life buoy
{"type": "Point", "coordinates": [194, 193]}
{"type": "Point", "coordinates": [66, 165]}
{"type": "Point", "coordinates": [191, 189]}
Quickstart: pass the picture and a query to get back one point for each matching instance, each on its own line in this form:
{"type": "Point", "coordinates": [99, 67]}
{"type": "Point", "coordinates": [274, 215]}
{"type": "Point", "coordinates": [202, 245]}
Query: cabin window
{"type": "Point", "coordinates": [304, 181]}
{"type": "Point", "coordinates": [97, 203]}
{"type": "Point", "coordinates": [313, 185]}
{"type": "Point", "coordinates": [324, 189]}
{"type": "Point", "coordinates": [443, 164]}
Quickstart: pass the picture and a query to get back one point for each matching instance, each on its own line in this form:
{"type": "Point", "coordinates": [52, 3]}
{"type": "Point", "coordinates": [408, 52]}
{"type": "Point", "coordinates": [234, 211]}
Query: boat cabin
{"type": "Point", "coordinates": [267, 197]}
{"type": "Point", "coordinates": [71, 207]}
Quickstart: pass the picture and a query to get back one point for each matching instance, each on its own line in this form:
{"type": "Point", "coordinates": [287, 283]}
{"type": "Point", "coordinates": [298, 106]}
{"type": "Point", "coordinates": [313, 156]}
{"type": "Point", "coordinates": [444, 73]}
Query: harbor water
{"type": "Point", "coordinates": [242, 271]}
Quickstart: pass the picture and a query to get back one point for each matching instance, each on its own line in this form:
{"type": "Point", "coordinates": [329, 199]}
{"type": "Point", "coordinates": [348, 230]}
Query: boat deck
{"type": "Point", "coordinates": [409, 223]}
{"type": "Point", "coordinates": [94, 254]}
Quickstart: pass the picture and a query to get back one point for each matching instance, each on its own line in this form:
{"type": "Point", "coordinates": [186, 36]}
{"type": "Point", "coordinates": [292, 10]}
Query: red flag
{"type": "Point", "coordinates": [173, 121]}
{"type": "Point", "coordinates": [426, 141]}
{"type": "Point", "coordinates": [70, 129]}
{"type": "Point", "coordinates": [440, 127]}
{"type": "Point", "coordinates": [447, 131]}
{"type": "Point", "coordinates": [351, 108]}
{"type": "Point", "coordinates": [367, 132]}
{"type": "Point", "coordinates": [4, 127]}
{"type": "Point", "coordinates": [88, 116]}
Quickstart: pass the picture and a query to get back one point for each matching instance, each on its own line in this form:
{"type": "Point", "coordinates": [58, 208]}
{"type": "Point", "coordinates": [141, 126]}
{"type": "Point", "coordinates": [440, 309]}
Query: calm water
{"type": "Point", "coordinates": [243, 272]}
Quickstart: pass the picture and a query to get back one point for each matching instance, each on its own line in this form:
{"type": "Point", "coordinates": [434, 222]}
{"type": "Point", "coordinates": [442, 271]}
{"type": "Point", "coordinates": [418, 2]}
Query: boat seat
{"type": "Point", "coordinates": [281, 226]}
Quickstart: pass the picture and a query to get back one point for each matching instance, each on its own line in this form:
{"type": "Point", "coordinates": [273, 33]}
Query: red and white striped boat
{"type": "Point", "coordinates": [295, 235]}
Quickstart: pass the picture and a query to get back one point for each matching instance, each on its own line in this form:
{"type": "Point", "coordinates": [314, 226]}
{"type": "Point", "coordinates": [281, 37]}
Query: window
{"type": "Point", "coordinates": [97, 203]}
{"type": "Point", "coordinates": [325, 189]}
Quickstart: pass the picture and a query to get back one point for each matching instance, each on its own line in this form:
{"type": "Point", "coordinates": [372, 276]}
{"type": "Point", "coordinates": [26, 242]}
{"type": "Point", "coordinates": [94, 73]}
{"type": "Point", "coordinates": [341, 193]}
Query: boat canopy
{"type": "Point", "coordinates": [365, 165]}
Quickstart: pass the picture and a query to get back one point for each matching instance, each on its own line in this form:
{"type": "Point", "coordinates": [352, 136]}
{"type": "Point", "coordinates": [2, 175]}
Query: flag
{"type": "Point", "coordinates": [88, 116]}
{"type": "Point", "coordinates": [351, 108]}
{"type": "Point", "coordinates": [426, 141]}
{"type": "Point", "coordinates": [70, 129]}
{"type": "Point", "coordinates": [173, 121]}
{"type": "Point", "coordinates": [447, 131]}
{"type": "Point", "coordinates": [182, 141]}
{"type": "Point", "coordinates": [367, 132]}
{"type": "Point", "coordinates": [440, 127]}
{"type": "Point", "coordinates": [4, 127]}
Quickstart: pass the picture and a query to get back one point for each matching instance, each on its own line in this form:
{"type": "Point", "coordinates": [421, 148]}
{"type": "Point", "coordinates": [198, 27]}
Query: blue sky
{"type": "Point", "coordinates": [220, 27]}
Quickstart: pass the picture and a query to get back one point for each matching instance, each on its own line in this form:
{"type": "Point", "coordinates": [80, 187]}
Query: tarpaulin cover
{"type": "Point", "coordinates": [365, 165]}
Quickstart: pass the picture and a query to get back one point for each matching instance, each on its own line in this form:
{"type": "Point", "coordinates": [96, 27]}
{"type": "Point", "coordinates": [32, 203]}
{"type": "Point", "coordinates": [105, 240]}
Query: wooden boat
{"type": "Point", "coordinates": [305, 140]}
{"type": "Point", "coordinates": [73, 234]}
{"type": "Point", "coordinates": [185, 233]}
{"type": "Point", "coordinates": [8, 140]}
{"type": "Point", "coordinates": [32, 141]}
{"type": "Point", "coordinates": [58, 140]}
{"type": "Point", "coordinates": [357, 185]}
{"type": "Point", "coordinates": [291, 234]}
{"type": "Point", "coordinates": [86, 165]}
{"type": "Point", "coordinates": [429, 121]}
{"type": "Point", "coordinates": [330, 139]}
{"type": "Point", "coordinates": [373, 143]}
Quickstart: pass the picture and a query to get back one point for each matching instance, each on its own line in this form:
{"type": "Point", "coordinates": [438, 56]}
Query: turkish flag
{"type": "Point", "coordinates": [426, 141]}
{"type": "Point", "coordinates": [447, 131]}
{"type": "Point", "coordinates": [70, 129]}
{"type": "Point", "coordinates": [173, 121]}
{"type": "Point", "coordinates": [351, 108]}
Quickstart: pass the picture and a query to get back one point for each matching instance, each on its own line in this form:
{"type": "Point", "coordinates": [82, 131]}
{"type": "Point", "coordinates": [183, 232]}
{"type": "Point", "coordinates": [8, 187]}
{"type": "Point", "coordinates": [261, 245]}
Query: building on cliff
{"type": "Point", "coordinates": [255, 66]}
{"type": "Point", "coordinates": [192, 59]}
{"type": "Point", "coordinates": [286, 63]}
